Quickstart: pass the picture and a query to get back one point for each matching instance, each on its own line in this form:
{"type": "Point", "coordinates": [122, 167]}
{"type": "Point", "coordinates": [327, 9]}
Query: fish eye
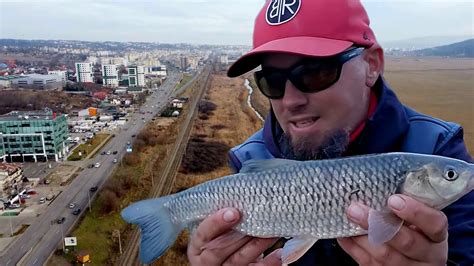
{"type": "Point", "coordinates": [450, 174]}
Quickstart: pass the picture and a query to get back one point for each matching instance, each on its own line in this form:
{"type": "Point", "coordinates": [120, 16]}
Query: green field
{"type": "Point", "coordinates": [186, 78]}
{"type": "Point", "coordinates": [87, 148]}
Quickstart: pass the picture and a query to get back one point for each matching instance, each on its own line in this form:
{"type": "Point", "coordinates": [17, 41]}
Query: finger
{"type": "Point", "coordinates": [250, 251]}
{"type": "Point", "coordinates": [359, 214]}
{"type": "Point", "coordinates": [412, 244]}
{"type": "Point", "coordinates": [211, 227]}
{"type": "Point", "coordinates": [271, 259]}
{"type": "Point", "coordinates": [381, 253]}
{"type": "Point", "coordinates": [217, 256]}
{"type": "Point", "coordinates": [361, 256]}
{"type": "Point", "coordinates": [417, 214]}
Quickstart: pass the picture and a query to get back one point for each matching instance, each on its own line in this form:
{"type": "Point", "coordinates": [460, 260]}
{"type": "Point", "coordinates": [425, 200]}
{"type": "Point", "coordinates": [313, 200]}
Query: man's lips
{"type": "Point", "coordinates": [303, 122]}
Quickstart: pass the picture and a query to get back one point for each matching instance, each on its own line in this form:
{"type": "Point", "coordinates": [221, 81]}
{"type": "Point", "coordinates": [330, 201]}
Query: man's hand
{"type": "Point", "coordinates": [213, 243]}
{"type": "Point", "coordinates": [422, 240]}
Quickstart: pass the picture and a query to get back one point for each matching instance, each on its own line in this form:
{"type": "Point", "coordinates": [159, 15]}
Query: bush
{"type": "Point", "coordinates": [218, 127]}
{"type": "Point", "coordinates": [131, 159]}
{"type": "Point", "coordinates": [109, 202]}
{"type": "Point", "coordinates": [206, 107]}
{"type": "Point", "coordinates": [203, 157]}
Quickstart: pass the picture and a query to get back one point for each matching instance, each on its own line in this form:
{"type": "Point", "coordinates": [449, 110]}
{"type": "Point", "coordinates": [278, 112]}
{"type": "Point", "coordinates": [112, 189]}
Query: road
{"type": "Point", "coordinates": [42, 237]}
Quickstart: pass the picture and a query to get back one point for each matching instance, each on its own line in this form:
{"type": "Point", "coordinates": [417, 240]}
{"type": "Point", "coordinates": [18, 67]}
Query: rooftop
{"type": "Point", "coordinates": [27, 115]}
{"type": "Point", "coordinates": [10, 77]}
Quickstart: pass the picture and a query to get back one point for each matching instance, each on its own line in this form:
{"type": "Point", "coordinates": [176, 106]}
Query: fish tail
{"type": "Point", "coordinates": [158, 231]}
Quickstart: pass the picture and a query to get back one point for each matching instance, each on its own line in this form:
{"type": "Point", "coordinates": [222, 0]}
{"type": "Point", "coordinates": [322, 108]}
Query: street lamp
{"type": "Point", "coordinates": [89, 196]}
{"type": "Point", "coordinates": [62, 235]}
{"type": "Point", "coordinates": [11, 227]}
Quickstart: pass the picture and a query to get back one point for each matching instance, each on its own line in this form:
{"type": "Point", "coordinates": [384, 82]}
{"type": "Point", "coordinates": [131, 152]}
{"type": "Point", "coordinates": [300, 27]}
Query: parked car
{"type": "Point", "coordinates": [93, 189]}
{"type": "Point", "coordinates": [42, 200]}
{"type": "Point", "coordinates": [97, 165]}
{"type": "Point", "coordinates": [61, 220]}
{"type": "Point", "coordinates": [115, 160]}
{"type": "Point", "coordinates": [72, 205]}
{"type": "Point", "coordinates": [103, 153]}
{"type": "Point", "coordinates": [91, 165]}
{"type": "Point", "coordinates": [115, 152]}
{"type": "Point", "coordinates": [108, 152]}
{"type": "Point", "coordinates": [76, 211]}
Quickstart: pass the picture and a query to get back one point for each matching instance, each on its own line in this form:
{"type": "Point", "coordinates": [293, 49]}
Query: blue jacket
{"type": "Point", "coordinates": [393, 127]}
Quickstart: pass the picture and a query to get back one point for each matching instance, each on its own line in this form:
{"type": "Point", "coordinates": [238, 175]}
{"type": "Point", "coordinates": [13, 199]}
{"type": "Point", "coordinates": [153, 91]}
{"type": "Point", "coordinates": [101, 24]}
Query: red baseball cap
{"type": "Point", "coordinates": [306, 27]}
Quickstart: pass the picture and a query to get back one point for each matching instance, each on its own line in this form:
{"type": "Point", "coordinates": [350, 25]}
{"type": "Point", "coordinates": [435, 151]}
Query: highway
{"type": "Point", "coordinates": [42, 237]}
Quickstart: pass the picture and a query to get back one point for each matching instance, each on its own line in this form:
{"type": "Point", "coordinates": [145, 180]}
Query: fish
{"type": "Point", "coordinates": [304, 200]}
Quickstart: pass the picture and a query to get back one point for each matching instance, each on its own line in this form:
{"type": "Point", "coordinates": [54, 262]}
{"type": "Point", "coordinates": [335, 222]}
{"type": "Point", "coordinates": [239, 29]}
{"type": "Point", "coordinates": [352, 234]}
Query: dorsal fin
{"type": "Point", "coordinates": [252, 166]}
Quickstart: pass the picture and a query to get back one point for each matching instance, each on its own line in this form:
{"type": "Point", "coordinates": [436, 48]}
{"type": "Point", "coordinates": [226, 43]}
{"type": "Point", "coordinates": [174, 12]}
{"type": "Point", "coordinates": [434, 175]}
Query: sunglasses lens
{"type": "Point", "coordinates": [316, 77]}
{"type": "Point", "coordinates": [271, 84]}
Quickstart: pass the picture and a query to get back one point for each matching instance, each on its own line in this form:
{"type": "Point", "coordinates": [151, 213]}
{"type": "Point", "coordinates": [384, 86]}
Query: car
{"type": "Point", "coordinates": [72, 205]}
{"type": "Point", "coordinates": [76, 211]}
{"type": "Point", "coordinates": [42, 200]}
{"type": "Point", "coordinates": [47, 181]}
{"type": "Point", "coordinates": [108, 152]}
{"type": "Point", "coordinates": [115, 152]}
{"type": "Point", "coordinates": [61, 220]}
{"type": "Point", "coordinates": [115, 160]}
{"type": "Point", "coordinates": [103, 153]}
{"type": "Point", "coordinates": [134, 136]}
{"type": "Point", "coordinates": [97, 165]}
{"type": "Point", "coordinates": [93, 189]}
{"type": "Point", "coordinates": [91, 165]}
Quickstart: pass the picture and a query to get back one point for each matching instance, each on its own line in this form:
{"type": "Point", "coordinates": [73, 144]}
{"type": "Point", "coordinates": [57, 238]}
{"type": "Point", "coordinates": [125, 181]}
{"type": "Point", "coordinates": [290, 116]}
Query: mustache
{"type": "Point", "coordinates": [303, 150]}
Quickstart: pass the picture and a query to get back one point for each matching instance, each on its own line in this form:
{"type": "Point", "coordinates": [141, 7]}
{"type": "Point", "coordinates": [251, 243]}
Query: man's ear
{"type": "Point", "coordinates": [375, 59]}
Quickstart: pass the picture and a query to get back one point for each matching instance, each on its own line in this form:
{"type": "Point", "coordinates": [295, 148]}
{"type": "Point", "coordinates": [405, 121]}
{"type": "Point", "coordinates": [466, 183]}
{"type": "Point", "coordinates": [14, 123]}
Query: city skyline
{"type": "Point", "coordinates": [210, 21]}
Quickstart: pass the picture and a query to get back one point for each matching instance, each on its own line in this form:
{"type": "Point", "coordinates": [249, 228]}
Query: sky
{"type": "Point", "coordinates": [209, 21]}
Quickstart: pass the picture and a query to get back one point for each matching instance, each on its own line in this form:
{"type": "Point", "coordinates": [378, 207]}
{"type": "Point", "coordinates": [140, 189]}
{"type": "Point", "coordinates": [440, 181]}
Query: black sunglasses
{"type": "Point", "coordinates": [311, 75]}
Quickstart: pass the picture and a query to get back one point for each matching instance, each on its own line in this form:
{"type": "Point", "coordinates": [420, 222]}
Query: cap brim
{"type": "Point", "coordinates": [307, 46]}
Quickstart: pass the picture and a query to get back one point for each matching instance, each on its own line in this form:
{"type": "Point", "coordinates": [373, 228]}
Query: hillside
{"type": "Point", "coordinates": [459, 49]}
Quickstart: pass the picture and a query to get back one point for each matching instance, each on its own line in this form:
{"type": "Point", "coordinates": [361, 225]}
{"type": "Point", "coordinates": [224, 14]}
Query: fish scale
{"type": "Point", "coordinates": [305, 200]}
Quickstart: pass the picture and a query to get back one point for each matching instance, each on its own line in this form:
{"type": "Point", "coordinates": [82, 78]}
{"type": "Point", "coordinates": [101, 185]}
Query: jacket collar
{"type": "Point", "coordinates": [383, 132]}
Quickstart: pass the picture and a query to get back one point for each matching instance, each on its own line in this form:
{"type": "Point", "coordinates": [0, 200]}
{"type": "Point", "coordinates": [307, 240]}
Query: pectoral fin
{"type": "Point", "coordinates": [383, 226]}
{"type": "Point", "coordinates": [296, 248]}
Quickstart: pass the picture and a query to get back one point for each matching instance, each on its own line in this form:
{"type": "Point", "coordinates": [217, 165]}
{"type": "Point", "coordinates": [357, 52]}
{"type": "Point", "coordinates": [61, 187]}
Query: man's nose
{"type": "Point", "coordinates": [293, 98]}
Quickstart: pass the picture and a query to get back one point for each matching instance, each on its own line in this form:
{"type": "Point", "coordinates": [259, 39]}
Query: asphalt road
{"type": "Point", "coordinates": [42, 237]}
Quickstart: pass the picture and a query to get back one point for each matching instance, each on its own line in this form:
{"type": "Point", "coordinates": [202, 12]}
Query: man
{"type": "Point", "coordinates": [322, 71]}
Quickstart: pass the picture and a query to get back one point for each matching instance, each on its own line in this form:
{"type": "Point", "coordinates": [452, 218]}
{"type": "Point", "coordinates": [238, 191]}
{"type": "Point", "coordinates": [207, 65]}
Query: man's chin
{"type": "Point", "coordinates": [313, 147]}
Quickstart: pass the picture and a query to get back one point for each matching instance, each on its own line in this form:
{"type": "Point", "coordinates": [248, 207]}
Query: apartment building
{"type": "Point", "coordinates": [110, 75]}
{"type": "Point", "coordinates": [84, 72]}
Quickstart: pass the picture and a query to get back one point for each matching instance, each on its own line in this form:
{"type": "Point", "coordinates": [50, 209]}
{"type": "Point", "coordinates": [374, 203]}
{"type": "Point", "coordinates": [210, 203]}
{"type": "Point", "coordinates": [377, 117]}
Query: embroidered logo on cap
{"type": "Point", "coordinates": [282, 11]}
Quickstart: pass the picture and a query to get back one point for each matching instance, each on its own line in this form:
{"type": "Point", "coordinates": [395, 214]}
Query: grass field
{"type": "Point", "coordinates": [441, 87]}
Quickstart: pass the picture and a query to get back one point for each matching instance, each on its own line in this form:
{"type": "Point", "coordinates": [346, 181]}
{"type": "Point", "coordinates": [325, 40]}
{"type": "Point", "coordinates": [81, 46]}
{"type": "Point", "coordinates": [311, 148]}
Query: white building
{"type": "Point", "coordinates": [136, 76]}
{"type": "Point", "coordinates": [84, 72]}
{"type": "Point", "coordinates": [61, 73]}
{"type": "Point", "coordinates": [156, 71]}
{"type": "Point", "coordinates": [110, 75]}
{"type": "Point", "coordinates": [92, 59]}
{"type": "Point", "coordinates": [224, 59]}
{"type": "Point", "coordinates": [38, 81]}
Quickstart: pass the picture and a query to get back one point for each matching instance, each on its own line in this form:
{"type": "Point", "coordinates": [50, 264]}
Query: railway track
{"type": "Point", "coordinates": [164, 182]}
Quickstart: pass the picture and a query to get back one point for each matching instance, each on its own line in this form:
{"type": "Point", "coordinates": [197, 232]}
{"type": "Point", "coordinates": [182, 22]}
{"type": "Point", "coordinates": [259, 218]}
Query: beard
{"type": "Point", "coordinates": [303, 150]}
